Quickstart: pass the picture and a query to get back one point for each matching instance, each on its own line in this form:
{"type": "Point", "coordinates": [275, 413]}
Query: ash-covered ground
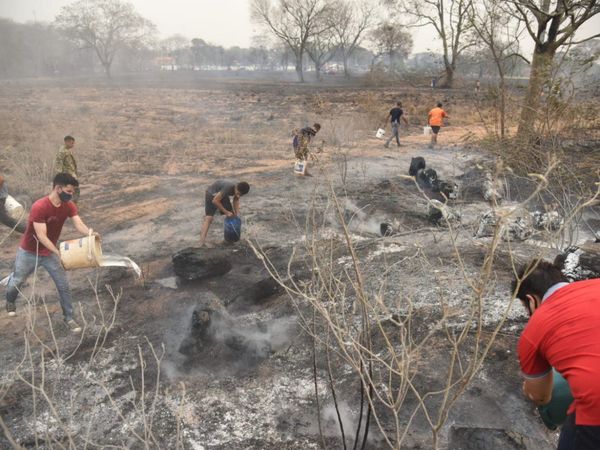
{"type": "Point", "coordinates": [139, 377]}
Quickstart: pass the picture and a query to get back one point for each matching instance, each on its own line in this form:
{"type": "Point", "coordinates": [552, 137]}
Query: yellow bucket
{"type": "Point", "coordinates": [81, 253]}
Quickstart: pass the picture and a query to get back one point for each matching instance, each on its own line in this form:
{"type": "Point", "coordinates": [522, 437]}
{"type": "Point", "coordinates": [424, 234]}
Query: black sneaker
{"type": "Point", "coordinates": [73, 326]}
{"type": "Point", "coordinates": [11, 308]}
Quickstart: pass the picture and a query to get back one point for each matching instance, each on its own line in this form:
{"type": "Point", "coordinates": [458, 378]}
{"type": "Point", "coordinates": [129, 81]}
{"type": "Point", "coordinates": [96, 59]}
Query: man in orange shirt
{"type": "Point", "coordinates": [435, 121]}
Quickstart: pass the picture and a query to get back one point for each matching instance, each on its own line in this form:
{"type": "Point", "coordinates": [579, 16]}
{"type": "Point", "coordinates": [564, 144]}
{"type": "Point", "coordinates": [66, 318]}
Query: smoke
{"type": "Point", "coordinates": [330, 421]}
{"type": "Point", "coordinates": [254, 340]}
{"type": "Point", "coordinates": [359, 221]}
{"type": "Point", "coordinates": [214, 342]}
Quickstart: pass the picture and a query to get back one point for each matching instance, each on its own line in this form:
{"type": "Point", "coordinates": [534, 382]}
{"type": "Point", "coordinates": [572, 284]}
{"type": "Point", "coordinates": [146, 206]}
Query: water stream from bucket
{"type": "Point", "coordinates": [120, 261]}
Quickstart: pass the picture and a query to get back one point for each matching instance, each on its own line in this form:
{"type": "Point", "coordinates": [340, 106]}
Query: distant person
{"type": "Point", "coordinates": [216, 199]}
{"type": "Point", "coordinates": [66, 163]}
{"type": "Point", "coordinates": [563, 333]}
{"type": "Point", "coordinates": [433, 83]}
{"type": "Point", "coordinates": [394, 116]}
{"type": "Point", "coordinates": [302, 140]}
{"type": "Point", "coordinates": [38, 245]}
{"type": "Point", "coordinates": [477, 86]}
{"type": "Point", "coordinates": [435, 120]}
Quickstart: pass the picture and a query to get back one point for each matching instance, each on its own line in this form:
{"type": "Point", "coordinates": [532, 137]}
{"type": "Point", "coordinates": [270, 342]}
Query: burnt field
{"type": "Point", "coordinates": [315, 330]}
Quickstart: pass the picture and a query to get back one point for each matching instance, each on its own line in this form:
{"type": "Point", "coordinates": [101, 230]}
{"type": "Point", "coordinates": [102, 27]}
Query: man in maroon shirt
{"type": "Point", "coordinates": [563, 333]}
{"type": "Point", "coordinates": [38, 244]}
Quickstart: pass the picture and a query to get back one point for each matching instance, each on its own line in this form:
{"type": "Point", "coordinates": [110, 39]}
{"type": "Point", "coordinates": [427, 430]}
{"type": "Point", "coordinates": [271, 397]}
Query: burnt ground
{"type": "Point", "coordinates": [147, 154]}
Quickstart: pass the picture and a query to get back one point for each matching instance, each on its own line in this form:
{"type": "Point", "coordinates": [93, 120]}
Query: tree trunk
{"type": "Point", "coordinates": [106, 69]}
{"type": "Point", "coordinates": [299, 69]}
{"type": "Point", "coordinates": [318, 71]}
{"type": "Point", "coordinates": [449, 81]}
{"type": "Point", "coordinates": [502, 106]}
{"type": "Point", "coordinates": [541, 65]}
{"type": "Point", "coordinates": [346, 68]}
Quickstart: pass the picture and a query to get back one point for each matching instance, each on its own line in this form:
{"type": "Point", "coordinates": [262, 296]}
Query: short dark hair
{"type": "Point", "coordinates": [64, 179]}
{"type": "Point", "coordinates": [69, 138]}
{"type": "Point", "coordinates": [243, 187]}
{"type": "Point", "coordinates": [439, 105]}
{"type": "Point", "coordinates": [536, 277]}
{"type": "Point", "coordinates": [317, 126]}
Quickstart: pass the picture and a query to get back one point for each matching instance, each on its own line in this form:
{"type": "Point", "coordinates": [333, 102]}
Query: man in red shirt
{"type": "Point", "coordinates": [435, 119]}
{"type": "Point", "coordinates": [38, 244]}
{"type": "Point", "coordinates": [563, 333]}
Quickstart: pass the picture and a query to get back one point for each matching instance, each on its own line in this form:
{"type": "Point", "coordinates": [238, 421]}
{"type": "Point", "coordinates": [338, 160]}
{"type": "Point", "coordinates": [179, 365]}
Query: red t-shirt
{"type": "Point", "coordinates": [564, 333]}
{"type": "Point", "coordinates": [43, 211]}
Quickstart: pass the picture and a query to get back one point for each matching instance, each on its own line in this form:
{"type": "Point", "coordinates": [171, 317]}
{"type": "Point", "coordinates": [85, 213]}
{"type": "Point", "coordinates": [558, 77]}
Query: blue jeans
{"type": "Point", "coordinates": [395, 134]}
{"type": "Point", "coordinates": [25, 264]}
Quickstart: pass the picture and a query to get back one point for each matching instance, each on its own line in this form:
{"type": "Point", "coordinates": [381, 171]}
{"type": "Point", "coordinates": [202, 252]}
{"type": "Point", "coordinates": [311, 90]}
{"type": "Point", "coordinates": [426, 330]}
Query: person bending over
{"type": "Point", "coordinates": [217, 198]}
{"type": "Point", "coordinates": [563, 332]}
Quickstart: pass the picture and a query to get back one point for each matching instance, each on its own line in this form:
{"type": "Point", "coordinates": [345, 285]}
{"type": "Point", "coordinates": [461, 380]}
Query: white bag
{"type": "Point", "coordinates": [427, 130]}
{"type": "Point", "coordinates": [300, 167]}
{"type": "Point", "coordinates": [380, 133]}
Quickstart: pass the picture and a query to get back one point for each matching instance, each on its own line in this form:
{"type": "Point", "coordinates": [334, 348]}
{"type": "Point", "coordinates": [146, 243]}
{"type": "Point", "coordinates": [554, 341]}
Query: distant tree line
{"type": "Point", "coordinates": [475, 38]}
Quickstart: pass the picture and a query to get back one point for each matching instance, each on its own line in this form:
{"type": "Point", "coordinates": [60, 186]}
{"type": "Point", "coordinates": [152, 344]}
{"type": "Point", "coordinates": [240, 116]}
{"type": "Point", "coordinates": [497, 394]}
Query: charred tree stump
{"type": "Point", "coordinates": [580, 263]}
{"type": "Point", "coordinates": [200, 263]}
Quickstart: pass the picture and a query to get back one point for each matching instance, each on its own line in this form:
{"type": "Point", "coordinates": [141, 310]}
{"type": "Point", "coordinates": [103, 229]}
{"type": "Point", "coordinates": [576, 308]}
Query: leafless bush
{"type": "Point", "coordinates": [360, 326]}
{"type": "Point", "coordinates": [46, 371]}
{"type": "Point", "coordinates": [34, 141]}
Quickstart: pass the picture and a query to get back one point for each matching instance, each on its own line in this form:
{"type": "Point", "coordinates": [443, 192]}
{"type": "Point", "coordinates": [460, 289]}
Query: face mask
{"type": "Point", "coordinates": [64, 196]}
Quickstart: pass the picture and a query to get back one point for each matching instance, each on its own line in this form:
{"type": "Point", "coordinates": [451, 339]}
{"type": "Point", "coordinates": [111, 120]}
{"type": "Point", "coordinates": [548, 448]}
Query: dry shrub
{"type": "Point", "coordinates": [569, 117]}
{"type": "Point", "coordinates": [373, 108]}
{"type": "Point", "coordinates": [341, 132]}
{"type": "Point", "coordinates": [566, 131]}
{"type": "Point", "coordinates": [33, 142]}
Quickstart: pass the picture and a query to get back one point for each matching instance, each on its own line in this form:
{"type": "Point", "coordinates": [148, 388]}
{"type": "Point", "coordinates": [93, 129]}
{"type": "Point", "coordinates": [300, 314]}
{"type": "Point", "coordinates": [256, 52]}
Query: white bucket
{"type": "Point", "coordinates": [13, 208]}
{"type": "Point", "coordinates": [81, 253]}
{"type": "Point", "coordinates": [427, 130]}
{"type": "Point", "coordinates": [380, 133]}
{"type": "Point", "coordinates": [300, 167]}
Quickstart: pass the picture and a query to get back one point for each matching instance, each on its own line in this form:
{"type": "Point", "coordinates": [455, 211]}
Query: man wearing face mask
{"type": "Point", "coordinates": [38, 244]}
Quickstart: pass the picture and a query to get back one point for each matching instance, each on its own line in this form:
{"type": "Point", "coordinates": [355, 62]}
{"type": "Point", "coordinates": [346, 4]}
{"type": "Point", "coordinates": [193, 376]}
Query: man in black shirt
{"type": "Point", "coordinates": [217, 199]}
{"type": "Point", "coordinates": [395, 115]}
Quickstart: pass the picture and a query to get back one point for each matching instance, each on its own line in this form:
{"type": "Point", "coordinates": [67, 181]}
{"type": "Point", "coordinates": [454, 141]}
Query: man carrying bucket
{"type": "Point", "coordinates": [38, 245]}
{"type": "Point", "coordinates": [301, 141]}
{"type": "Point", "coordinates": [435, 120]}
{"type": "Point", "coordinates": [395, 115]}
{"type": "Point", "coordinates": [563, 333]}
{"type": "Point", "coordinates": [216, 199]}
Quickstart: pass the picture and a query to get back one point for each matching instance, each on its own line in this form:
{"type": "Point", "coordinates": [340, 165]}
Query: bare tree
{"type": "Point", "coordinates": [294, 22]}
{"type": "Point", "coordinates": [500, 34]}
{"type": "Point", "coordinates": [450, 20]}
{"type": "Point", "coordinates": [390, 39]}
{"type": "Point", "coordinates": [551, 24]}
{"type": "Point", "coordinates": [321, 47]}
{"type": "Point", "coordinates": [353, 19]}
{"type": "Point", "coordinates": [106, 26]}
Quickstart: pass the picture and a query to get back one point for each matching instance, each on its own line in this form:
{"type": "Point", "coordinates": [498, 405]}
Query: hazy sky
{"type": "Point", "coordinates": [224, 22]}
